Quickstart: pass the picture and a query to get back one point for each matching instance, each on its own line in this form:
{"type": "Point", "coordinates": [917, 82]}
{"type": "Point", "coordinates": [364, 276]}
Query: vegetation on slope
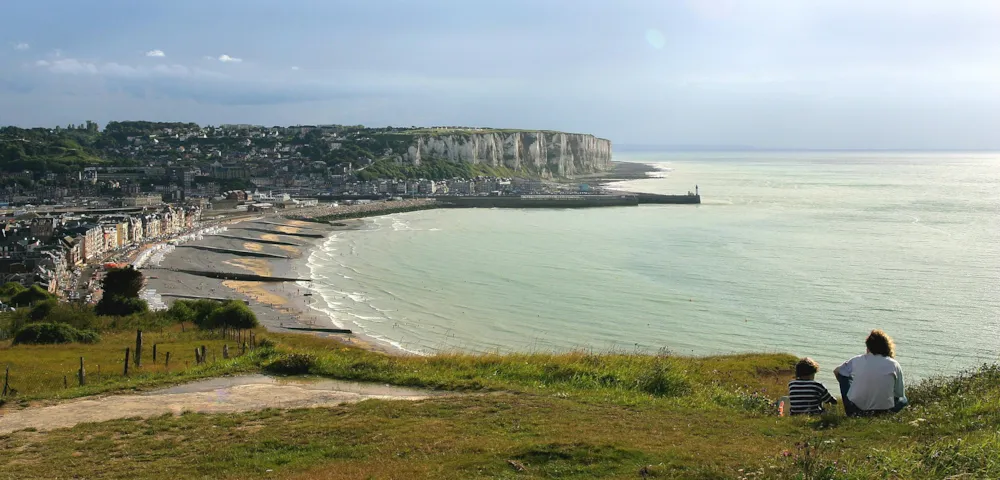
{"type": "Point", "coordinates": [577, 415]}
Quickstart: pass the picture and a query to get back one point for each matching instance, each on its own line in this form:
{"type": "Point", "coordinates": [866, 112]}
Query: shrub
{"type": "Point", "coordinates": [662, 381]}
{"type": "Point", "coordinates": [292, 364]}
{"type": "Point", "coordinates": [181, 312]}
{"type": "Point", "coordinates": [42, 309]}
{"type": "Point", "coordinates": [49, 333]}
{"type": "Point", "coordinates": [77, 315]}
{"type": "Point", "coordinates": [232, 315]}
{"type": "Point", "coordinates": [30, 296]}
{"type": "Point", "coordinates": [121, 306]}
{"type": "Point", "coordinates": [10, 289]}
{"type": "Point", "coordinates": [202, 310]}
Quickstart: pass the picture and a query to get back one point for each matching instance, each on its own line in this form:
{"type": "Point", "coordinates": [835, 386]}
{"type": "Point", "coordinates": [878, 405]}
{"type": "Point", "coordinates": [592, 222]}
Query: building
{"type": "Point", "coordinates": [141, 201]}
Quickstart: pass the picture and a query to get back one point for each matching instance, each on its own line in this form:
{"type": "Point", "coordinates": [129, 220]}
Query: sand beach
{"type": "Point", "coordinates": [278, 305]}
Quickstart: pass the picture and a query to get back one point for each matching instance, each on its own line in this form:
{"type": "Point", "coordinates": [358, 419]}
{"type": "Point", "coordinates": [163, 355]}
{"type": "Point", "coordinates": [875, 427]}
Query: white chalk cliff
{"type": "Point", "coordinates": [547, 154]}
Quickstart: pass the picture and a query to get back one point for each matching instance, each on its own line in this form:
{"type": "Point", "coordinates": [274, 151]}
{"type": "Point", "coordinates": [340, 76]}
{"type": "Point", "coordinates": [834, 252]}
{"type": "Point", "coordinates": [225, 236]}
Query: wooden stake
{"type": "Point", "coordinates": [197, 356]}
{"type": "Point", "coordinates": [167, 363]}
{"type": "Point", "coordinates": [204, 354]}
{"type": "Point", "coordinates": [6, 384]}
{"type": "Point", "coordinates": [154, 354]}
{"type": "Point", "coordinates": [126, 361]}
{"type": "Point", "coordinates": [225, 352]}
{"type": "Point", "coordinates": [138, 348]}
{"type": "Point", "coordinates": [65, 381]}
{"type": "Point", "coordinates": [82, 374]}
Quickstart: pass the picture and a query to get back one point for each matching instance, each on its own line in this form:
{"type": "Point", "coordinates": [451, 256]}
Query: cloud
{"type": "Point", "coordinates": [73, 66]}
{"type": "Point", "coordinates": [227, 59]}
{"type": "Point", "coordinates": [295, 68]}
{"type": "Point", "coordinates": [22, 46]}
{"type": "Point", "coordinates": [155, 53]}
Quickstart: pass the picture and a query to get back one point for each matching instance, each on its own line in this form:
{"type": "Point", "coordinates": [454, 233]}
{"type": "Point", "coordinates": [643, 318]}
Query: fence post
{"type": "Point", "coordinates": [82, 374]}
{"type": "Point", "coordinates": [6, 384]}
{"type": "Point", "coordinates": [138, 348]}
{"type": "Point", "coordinates": [197, 356]}
{"type": "Point", "coordinates": [167, 363]}
{"type": "Point", "coordinates": [65, 381]}
{"type": "Point", "coordinates": [126, 361]}
{"type": "Point", "coordinates": [98, 374]}
{"type": "Point", "coordinates": [154, 354]}
{"type": "Point", "coordinates": [204, 355]}
{"type": "Point", "coordinates": [225, 352]}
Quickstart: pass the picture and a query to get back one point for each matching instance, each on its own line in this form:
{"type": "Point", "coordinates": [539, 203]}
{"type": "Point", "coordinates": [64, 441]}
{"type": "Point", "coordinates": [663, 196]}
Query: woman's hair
{"type": "Point", "coordinates": [806, 367]}
{"type": "Point", "coordinates": [880, 344]}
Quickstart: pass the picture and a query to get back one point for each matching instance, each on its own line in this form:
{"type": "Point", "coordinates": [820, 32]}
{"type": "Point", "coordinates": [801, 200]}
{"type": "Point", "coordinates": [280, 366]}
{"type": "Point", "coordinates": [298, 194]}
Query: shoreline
{"type": "Point", "coordinates": [276, 304]}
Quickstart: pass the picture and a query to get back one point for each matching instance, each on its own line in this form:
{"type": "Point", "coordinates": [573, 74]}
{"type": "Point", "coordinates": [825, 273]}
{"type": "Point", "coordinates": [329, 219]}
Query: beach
{"type": "Point", "coordinates": [278, 305]}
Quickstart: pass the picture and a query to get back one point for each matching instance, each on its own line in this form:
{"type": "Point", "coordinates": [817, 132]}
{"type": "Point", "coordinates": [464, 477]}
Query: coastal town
{"type": "Point", "coordinates": [77, 197]}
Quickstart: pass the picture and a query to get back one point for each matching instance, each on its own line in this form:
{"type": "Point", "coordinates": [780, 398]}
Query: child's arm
{"type": "Point", "coordinates": [827, 398]}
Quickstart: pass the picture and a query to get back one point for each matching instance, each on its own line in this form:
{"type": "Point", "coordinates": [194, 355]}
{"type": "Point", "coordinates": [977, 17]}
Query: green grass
{"type": "Point", "coordinates": [576, 415]}
{"type": "Point", "coordinates": [37, 371]}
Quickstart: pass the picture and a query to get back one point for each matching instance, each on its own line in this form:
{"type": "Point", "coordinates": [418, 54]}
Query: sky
{"type": "Point", "coordinates": [851, 74]}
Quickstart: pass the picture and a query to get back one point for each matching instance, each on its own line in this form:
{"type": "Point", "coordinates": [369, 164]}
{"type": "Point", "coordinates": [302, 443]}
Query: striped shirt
{"type": "Point", "coordinates": [808, 396]}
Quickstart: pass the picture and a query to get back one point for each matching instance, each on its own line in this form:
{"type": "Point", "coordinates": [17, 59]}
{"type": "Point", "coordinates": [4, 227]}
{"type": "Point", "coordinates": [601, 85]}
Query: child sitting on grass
{"type": "Point", "coordinates": [806, 395]}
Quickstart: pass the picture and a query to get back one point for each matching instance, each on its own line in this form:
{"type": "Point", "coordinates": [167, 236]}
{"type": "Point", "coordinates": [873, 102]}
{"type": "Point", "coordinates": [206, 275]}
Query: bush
{"type": "Point", "coordinates": [10, 289]}
{"type": "Point", "coordinates": [42, 309]}
{"type": "Point", "coordinates": [292, 364]}
{"type": "Point", "coordinates": [120, 306]}
{"type": "Point", "coordinates": [181, 312]}
{"type": "Point", "coordinates": [79, 316]}
{"type": "Point", "coordinates": [233, 314]}
{"type": "Point", "coordinates": [30, 296]}
{"type": "Point", "coordinates": [49, 333]}
{"type": "Point", "coordinates": [662, 381]}
{"type": "Point", "coordinates": [201, 309]}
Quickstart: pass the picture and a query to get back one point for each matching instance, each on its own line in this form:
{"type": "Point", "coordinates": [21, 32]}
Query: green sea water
{"type": "Point", "coordinates": [789, 252]}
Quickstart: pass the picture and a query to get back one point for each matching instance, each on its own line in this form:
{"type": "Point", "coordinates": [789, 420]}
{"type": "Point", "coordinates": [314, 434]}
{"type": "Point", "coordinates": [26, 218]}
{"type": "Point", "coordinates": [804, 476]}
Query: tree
{"type": "Point", "coordinates": [121, 293]}
{"type": "Point", "coordinates": [120, 306]}
{"type": "Point", "coordinates": [123, 282]}
{"type": "Point", "coordinates": [233, 314]}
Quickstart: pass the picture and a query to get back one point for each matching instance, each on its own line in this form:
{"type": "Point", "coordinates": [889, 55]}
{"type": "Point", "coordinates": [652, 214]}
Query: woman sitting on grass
{"type": "Point", "coordinates": [872, 383]}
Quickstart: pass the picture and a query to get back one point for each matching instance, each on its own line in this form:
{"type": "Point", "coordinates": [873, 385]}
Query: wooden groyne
{"type": "Point", "coordinates": [246, 277]}
{"type": "Point", "coordinates": [201, 297]}
{"type": "Point", "coordinates": [324, 330]}
{"type": "Point", "coordinates": [233, 251]}
{"type": "Point", "coordinates": [259, 240]}
{"type": "Point", "coordinates": [276, 232]}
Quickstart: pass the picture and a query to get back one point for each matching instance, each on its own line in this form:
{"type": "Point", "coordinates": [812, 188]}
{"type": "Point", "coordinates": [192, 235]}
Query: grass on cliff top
{"type": "Point", "coordinates": [38, 372]}
{"type": "Point", "coordinates": [576, 415]}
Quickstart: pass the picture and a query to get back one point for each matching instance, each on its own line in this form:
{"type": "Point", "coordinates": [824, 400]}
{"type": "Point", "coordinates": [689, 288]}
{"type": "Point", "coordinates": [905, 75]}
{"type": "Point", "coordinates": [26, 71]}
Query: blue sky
{"type": "Point", "coordinates": [767, 73]}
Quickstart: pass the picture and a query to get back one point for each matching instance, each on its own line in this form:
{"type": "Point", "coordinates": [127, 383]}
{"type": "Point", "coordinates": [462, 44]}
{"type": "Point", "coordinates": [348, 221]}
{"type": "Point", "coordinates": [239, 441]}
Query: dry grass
{"type": "Point", "coordinates": [37, 371]}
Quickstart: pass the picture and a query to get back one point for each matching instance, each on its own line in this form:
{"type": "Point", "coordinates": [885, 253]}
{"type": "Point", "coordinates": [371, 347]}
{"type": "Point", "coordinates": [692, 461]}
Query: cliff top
{"type": "Point", "coordinates": [435, 131]}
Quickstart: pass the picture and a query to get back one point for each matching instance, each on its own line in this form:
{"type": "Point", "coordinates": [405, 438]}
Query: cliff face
{"type": "Point", "coordinates": [547, 154]}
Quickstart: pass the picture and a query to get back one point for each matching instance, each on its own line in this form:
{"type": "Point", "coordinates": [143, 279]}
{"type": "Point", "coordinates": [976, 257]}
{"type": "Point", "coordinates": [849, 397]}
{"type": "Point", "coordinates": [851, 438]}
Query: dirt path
{"type": "Point", "coordinates": [218, 395]}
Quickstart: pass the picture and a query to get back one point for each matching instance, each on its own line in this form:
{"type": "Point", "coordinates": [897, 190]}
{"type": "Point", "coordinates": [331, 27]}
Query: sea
{"type": "Point", "coordinates": [798, 252]}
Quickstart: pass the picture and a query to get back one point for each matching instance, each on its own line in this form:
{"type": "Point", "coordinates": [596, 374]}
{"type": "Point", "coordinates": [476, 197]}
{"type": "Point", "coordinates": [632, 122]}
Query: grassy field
{"type": "Point", "coordinates": [38, 371]}
{"type": "Point", "coordinates": [577, 415]}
